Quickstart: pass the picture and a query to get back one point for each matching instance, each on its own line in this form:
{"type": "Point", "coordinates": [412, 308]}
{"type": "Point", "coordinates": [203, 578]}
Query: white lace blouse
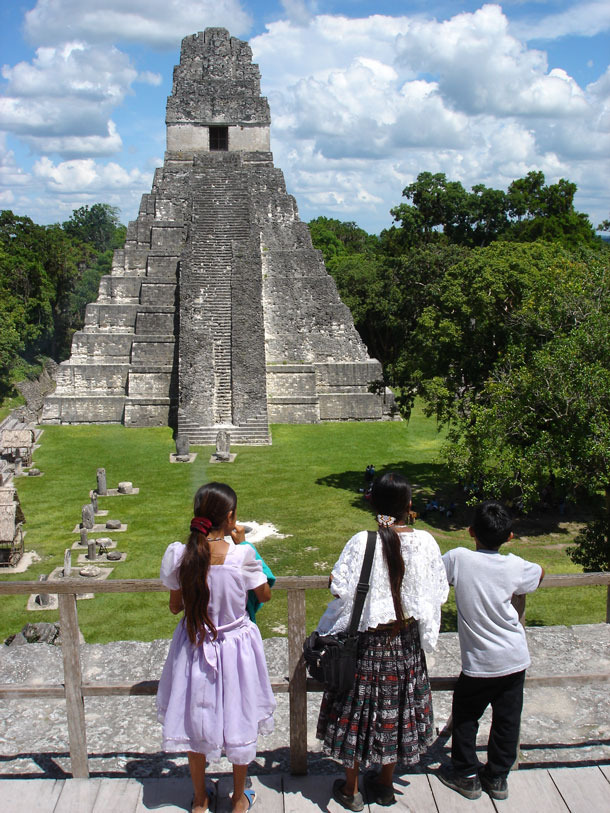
{"type": "Point", "coordinates": [424, 586]}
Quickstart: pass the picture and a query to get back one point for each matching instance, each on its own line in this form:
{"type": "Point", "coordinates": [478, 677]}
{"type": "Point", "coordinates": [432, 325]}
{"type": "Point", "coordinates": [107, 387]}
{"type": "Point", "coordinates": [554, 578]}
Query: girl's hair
{"type": "Point", "coordinates": [213, 501]}
{"type": "Point", "coordinates": [391, 495]}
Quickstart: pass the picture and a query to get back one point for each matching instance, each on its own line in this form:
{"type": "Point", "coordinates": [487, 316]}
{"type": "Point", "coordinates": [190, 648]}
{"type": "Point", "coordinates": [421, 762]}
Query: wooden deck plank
{"type": "Point", "coordinates": [122, 795]}
{"type": "Point", "coordinates": [449, 801]}
{"type": "Point", "coordinates": [584, 790]}
{"type": "Point", "coordinates": [532, 790]}
{"type": "Point", "coordinates": [311, 794]}
{"type": "Point", "coordinates": [173, 794]}
{"type": "Point", "coordinates": [78, 796]}
{"type": "Point", "coordinates": [30, 794]}
{"type": "Point", "coordinates": [268, 791]}
{"type": "Point", "coordinates": [413, 793]}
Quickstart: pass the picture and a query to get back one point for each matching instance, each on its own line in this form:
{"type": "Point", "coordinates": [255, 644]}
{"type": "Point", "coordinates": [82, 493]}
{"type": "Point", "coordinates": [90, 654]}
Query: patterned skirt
{"type": "Point", "coordinates": [387, 716]}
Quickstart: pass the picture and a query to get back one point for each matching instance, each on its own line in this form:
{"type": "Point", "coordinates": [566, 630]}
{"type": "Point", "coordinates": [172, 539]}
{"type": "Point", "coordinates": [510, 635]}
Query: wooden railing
{"type": "Point", "coordinates": [296, 684]}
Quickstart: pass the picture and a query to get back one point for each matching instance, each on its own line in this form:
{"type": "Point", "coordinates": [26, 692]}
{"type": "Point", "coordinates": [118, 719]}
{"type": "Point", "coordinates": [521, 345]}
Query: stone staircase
{"type": "Point", "coordinates": [220, 229]}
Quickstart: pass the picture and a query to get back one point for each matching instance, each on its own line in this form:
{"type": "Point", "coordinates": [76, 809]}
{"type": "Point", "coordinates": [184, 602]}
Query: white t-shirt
{"type": "Point", "coordinates": [424, 586]}
{"type": "Point", "coordinates": [492, 641]}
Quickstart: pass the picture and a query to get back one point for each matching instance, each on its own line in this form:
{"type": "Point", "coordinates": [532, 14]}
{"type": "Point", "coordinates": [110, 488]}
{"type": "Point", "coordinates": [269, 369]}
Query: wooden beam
{"type": "Point", "coordinates": [78, 586]}
{"type": "Point", "coordinates": [298, 681]}
{"type": "Point", "coordinates": [289, 583]}
{"type": "Point", "coordinates": [75, 706]}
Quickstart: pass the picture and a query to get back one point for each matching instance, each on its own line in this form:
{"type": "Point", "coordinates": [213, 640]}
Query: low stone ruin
{"type": "Point", "coordinates": [11, 527]}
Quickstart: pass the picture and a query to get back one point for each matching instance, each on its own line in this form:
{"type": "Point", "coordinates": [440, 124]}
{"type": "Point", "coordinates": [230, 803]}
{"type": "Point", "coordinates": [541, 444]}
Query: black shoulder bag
{"type": "Point", "coordinates": [331, 659]}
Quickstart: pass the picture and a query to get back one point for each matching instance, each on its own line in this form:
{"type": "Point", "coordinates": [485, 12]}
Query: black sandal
{"type": "Point", "coordinates": [355, 802]}
{"type": "Point", "coordinates": [377, 792]}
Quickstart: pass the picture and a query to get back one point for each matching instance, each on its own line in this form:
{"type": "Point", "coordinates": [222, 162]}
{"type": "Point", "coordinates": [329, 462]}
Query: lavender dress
{"type": "Point", "coordinates": [217, 697]}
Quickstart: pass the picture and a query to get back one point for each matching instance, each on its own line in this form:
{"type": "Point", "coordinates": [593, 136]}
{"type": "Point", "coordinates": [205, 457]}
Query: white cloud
{"type": "Point", "coordinates": [85, 175]}
{"type": "Point", "coordinates": [11, 175]}
{"type": "Point", "coordinates": [150, 78]}
{"type": "Point", "coordinates": [61, 102]}
{"type": "Point", "coordinates": [360, 107]}
{"type": "Point", "coordinates": [584, 19]}
{"type": "Point", "coordinates": [481, 68]}
{"type": "Point", "coordinates": [158, 23]}
{"type": "Point", "coordinates": [102, 75]}
{"type": "Point", "coordinates": [72, 146]}
{"type": "Point", "coordinates": [297, 11]}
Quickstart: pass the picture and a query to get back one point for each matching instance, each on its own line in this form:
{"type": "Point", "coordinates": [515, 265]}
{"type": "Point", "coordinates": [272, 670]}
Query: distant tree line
{"type": "Point", "coordinates": [48, 274]}
{"type": "Point", "coordinates": [493, 307]}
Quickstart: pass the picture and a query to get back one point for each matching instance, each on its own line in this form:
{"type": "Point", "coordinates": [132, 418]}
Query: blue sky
{"type": "Point", "coordinates": [363, 97]}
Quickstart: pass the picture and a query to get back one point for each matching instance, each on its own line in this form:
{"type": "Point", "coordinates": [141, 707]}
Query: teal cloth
{"type": "Point", "coordinates": [253, 605]}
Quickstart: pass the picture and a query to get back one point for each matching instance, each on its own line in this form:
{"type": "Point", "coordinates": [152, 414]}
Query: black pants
{"type": "Point", "coordinates": [470, 699]}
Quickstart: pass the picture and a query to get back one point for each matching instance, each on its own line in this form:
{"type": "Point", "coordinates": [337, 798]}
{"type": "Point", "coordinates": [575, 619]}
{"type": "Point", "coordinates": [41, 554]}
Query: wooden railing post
{"type": "Point", "coordinates": [297, 694]}
{"type": "Point", "coordinates": [75, 706]}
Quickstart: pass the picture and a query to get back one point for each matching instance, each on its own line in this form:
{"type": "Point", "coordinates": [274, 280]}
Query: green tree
{"type": "Point", "coordinates": [530, 210]}
{"type": "Point", "coordinates": [496, 297]}
{"type": "Point", "coordinates": [545, 417]}
{"type": "Point", "coordinates": [97, 226]}
{"type": "Point", "coordinates": [336, 239]}
{"type": "Point", "coordinates": [47, 273]}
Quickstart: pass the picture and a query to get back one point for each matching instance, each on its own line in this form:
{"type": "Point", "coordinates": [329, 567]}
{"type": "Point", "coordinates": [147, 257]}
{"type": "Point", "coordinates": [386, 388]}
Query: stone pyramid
{"type": "Point", "coordinates": [218, 313]}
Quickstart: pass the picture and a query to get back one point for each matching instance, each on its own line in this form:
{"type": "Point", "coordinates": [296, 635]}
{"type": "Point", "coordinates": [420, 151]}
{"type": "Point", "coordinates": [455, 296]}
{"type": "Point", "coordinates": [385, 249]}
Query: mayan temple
{"type": "Point", "coordinates": [218, 313]}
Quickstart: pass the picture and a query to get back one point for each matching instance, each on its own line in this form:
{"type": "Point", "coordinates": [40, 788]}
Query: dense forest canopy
{"type": "Point", "coordinates": [48, 274]}
{"type": "Point", "coordinates": [494, 308]}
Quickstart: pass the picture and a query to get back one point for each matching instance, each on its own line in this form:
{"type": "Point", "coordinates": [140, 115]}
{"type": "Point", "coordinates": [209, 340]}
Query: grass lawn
{"type": "Point", "coordinates": [306, 484]}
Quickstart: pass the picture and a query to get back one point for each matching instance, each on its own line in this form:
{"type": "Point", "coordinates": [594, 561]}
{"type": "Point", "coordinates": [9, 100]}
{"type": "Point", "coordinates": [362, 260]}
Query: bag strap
{"type": "Point", "coordinates": [363, 585]}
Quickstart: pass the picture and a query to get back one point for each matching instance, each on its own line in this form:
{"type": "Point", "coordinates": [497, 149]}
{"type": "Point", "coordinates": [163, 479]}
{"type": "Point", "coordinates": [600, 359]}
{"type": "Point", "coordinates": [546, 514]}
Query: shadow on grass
{"type": "Point", "coordinates": [432, 481]}
{"type": "Point", "coordinates": [425, 478]}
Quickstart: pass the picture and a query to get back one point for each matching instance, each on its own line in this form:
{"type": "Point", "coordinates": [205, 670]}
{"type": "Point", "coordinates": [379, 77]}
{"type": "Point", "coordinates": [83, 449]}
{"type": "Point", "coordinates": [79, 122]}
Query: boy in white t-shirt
{"type": "Point", "coordinates": [494, 652]}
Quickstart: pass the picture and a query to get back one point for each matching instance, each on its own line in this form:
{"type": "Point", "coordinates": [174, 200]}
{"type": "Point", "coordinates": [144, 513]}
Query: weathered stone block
{"type": "Point", "coordinates": [165, 267]}
{"type": "Point", "coordinates": [350, 407]}
{"type": "Point", "coordinates": [98, 346]}
{"type": "Point", "coordinates": [158, 293]}
{"type": "Point", "coordinates": [135, 259]}
{"type": "Point", "coordinates": [83, 409]}
{"type": "Point", "coordinates": [168, 239]}
{"type": "Point", "coordinates": [147, 413]}
{"type": "Point", "coordinates": [151, 383]}
{"type": "Point", "coordinates": [347, 375]}
{"type": "Point", "coordinates": [291, 380]}
{"type": "Point", "coordinates": [152, 353]}
{"type": "Point", "coordinates": [77, 379]}
{"type": "Point", "coordinates": [170, 209]}
{"type": "Point", "coordinates": [294, 410]}
{"type": "Point", "coordinates": [121, 289]}
{"type": "Point", "coordinates": [155, 323]}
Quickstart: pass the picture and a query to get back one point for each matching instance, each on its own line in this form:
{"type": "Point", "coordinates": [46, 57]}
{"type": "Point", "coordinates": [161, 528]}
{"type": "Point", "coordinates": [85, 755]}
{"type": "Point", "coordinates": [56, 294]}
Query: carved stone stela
{"type": "Point", "coordinates": [219, 313]}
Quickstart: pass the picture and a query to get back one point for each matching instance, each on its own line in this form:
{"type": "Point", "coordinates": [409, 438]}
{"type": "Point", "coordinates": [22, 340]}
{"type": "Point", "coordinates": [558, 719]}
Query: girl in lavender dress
{"type": "Point", "coordinates": [214, 694]}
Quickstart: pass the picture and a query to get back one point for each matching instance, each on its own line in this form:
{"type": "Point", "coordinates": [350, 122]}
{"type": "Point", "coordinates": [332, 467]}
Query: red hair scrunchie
{"type": "Point", "coordinates": [201, 525]}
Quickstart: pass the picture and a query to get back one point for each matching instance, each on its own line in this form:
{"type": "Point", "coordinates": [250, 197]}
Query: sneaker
{"type": "Point", "coordinates": [495, 786]}
{"type": "Point", "coordinates": [354, 802]}
{"type": "Point", "coordinates": [376, 792]}
{"type": "Point", "coordinates": [468, 786]}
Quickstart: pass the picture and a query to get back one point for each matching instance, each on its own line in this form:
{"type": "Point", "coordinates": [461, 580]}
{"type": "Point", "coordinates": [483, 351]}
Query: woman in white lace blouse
{"type": "Point", "coordinates": [386, 718]}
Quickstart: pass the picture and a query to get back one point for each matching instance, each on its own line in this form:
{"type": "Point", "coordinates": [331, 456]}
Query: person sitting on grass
{"type": "Point", "coordinates": [494, 652]}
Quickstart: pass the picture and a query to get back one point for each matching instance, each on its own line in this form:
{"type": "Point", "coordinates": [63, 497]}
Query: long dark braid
{"type": "Point", "coordinates": [212, 503]}
{"type": "Point", "coordinates": [391, 496]}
